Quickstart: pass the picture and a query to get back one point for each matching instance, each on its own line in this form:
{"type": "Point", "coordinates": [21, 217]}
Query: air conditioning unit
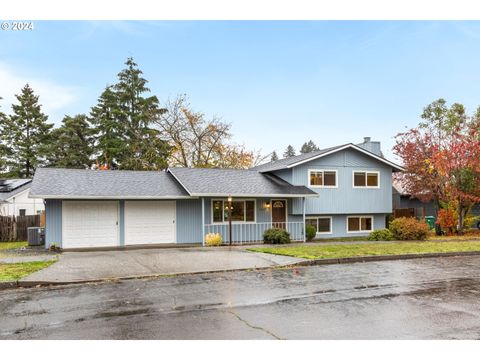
{"type": "Point", "coordinates": [36, 236]}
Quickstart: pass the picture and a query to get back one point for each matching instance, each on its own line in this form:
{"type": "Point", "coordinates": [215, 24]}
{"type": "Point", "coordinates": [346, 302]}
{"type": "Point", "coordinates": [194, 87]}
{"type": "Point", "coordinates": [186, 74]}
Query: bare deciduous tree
{"type": "Point", "coordinates": [199, 142]}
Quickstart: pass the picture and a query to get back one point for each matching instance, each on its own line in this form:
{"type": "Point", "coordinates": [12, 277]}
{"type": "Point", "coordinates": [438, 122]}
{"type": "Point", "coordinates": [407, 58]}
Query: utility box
{"type": "Point", "coordinates": [36, 236]}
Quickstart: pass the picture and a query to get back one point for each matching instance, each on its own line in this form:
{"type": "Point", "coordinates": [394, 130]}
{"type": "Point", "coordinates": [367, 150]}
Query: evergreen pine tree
{"type": "Point", "coordinates": [309, 147]}
{"type": "Point", "coordinates": [124, 118]}
{"type": "Point", "coordinates": [274, 156]}
{"type": "Point", "coordinates": [111, 139]}
{"type": "Point", "coordinates": [289, 152]}
{"type": "Point", "coordinates": [73, 143]}
{"type": "Point", "coordinates": [4, 150]}
{"type": "Point", "coordinates": [26, 134]}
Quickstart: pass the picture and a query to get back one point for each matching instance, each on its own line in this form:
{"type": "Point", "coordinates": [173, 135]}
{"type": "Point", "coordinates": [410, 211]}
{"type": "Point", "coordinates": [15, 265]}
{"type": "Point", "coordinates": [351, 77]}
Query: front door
{"type": "Point", "coordinates": [279, 213]}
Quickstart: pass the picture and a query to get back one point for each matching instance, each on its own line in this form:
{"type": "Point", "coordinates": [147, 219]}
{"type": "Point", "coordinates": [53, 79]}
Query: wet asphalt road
{"type": "Point", "coordinates": [411, 299]}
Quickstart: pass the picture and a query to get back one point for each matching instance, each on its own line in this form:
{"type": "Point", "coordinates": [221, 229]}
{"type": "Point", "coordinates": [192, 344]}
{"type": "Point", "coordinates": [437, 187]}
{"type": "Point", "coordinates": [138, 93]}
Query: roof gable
{"type": "Point", "coordinates": [294, 161]}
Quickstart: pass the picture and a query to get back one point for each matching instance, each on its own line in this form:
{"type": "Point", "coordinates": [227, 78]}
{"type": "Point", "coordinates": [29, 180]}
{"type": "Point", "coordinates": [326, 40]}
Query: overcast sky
{"type": "Point", "coordinates": [278, 82]}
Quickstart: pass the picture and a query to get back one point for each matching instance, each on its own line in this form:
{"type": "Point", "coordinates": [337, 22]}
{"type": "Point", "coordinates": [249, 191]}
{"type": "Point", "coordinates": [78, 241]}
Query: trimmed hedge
{"type": "Point", "coordinates": [310, 232]}
{"type": "Point", "coordinates": [276, 236]}
{"type": "Point", "coordinates": [381, 235]}
{"type": "Point", "coordinates": [404, 228]}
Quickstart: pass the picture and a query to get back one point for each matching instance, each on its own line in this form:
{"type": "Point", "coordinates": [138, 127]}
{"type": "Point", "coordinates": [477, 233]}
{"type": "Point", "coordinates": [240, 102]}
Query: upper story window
{"type": "Point", "coordinates": [242, 211]}
{"type": "Point", "coordinates": [322, 178]}
{"type": "Point", "coordinates": [366, 179]}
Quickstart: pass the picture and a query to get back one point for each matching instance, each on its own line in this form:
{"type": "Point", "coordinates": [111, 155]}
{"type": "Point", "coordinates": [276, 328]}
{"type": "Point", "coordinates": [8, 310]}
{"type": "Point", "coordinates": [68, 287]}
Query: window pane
{"type": "Point", "coordinates": [316, 178]}
{"type": "Point", "coordinates": [312, 222]}
{"type": "Point", "coordinates": [238, 210]}
{"type": "Point", "coordinates": [359, 179]}
{"type": "Point", "coordinates": [354, 224]}
{"type": "Point", "coordinates": [367, 224]}
{"type": "Point", "coordinates": [329, 178]}
{"type": "Point", "coordinates": [250, 210]}
{"type": "Point", "coordinates": [217, 211]}
{"type": "Point", "coordinates": [372, 179]}
{"type": "Point", "coordinates": [324, 225]}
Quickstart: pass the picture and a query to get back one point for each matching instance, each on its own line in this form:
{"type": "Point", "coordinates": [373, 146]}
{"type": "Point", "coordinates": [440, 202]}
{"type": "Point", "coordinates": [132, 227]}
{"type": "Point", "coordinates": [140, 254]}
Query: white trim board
{"type": "Point", "coordinates": [347, 146]}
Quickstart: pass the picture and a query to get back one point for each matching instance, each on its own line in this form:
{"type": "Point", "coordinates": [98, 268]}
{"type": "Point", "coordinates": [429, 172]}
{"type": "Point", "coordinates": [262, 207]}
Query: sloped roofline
{"type": "Point", "coordinates": [346, 146]}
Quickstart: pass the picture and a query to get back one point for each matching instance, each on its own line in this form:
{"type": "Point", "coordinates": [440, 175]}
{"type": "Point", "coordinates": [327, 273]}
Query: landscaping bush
{"type": "Point", "coordinates": [409, 229]}
{"type": "Point", "coordinates": [310, 232]}
{"type": "Point", "coordinates": [381, 235]}
{"type": "Point", "coordinates": [212, 239]}
{"type": "Point", "coordinates": [447, 220]}
{"type": "Point", "coordinates": [276, 236]}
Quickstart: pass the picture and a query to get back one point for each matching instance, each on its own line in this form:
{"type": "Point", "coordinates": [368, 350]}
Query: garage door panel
{"type": "Point", "coordinates": [90, 224]}
{"type": "Point", "coordinates": [149, 222]}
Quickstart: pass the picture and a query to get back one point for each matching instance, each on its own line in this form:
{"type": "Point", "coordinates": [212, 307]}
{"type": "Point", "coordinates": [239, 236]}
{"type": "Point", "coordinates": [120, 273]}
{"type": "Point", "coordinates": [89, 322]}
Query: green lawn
{"type": "Point", "coordinates": [12, 272]}
{"type": "Point", "coordinates": [353, 250]}
{"type": "Point", "coordinates": [12, 245]}
{"type": "Point", "coordinates": [342, 239]}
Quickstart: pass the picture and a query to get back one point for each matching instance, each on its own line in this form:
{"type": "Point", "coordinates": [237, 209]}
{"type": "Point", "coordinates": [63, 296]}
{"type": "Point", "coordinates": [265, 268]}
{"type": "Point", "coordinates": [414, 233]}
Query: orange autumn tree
{"type": "Point", "coordinates": [441, 158]}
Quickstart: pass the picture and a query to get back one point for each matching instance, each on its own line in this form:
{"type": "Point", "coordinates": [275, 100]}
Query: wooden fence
{"type": "Point", "coordinates": [14, 228]}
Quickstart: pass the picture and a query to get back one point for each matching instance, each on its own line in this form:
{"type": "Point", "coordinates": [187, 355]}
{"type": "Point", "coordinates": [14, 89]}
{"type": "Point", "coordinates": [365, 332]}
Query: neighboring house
{"type": "Point", "coordinates": [14, 198]}
{"type": "Point", "coordinates": [343, 191]}
{"type": "Point", "coordinates": [406, 205]}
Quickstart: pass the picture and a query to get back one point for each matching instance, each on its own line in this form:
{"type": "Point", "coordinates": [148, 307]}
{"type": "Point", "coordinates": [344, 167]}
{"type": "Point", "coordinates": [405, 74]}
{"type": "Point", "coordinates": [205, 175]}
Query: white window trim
{"type": "Point", "coordinates": [366, 172]}
{"type": "Point", "coordinates": [360, 217]}
{"type": "Point", "coordinates": [322, 217]}
{"type": "Point", "coordinates": [223, 211]}
{"type": "Point", "coordinates": [323, 172]}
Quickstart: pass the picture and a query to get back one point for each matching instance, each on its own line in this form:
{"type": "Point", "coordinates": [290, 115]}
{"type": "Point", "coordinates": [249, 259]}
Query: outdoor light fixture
{"type": "Point", "coordinates": [229, 199]}
{"type": "Point", "coordinates": [267, 205]}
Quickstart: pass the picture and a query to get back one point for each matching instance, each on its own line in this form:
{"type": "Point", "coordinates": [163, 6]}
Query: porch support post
{"type": "Point", "coordinates": [203, 221]}
{"type": "Point", "coordinates": [304, 230]}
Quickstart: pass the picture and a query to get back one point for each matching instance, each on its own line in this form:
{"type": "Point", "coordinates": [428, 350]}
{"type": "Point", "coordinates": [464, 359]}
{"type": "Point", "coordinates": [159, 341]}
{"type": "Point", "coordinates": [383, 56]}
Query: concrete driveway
{"type": "Point", "coordinates": [102, 265]}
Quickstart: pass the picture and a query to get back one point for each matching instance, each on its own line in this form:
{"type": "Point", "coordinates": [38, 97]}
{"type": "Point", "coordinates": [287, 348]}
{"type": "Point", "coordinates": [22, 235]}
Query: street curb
{"type": "Point", "coordinates": [358, 259]}
{"type": "Point", "coordinates": [384, 258]}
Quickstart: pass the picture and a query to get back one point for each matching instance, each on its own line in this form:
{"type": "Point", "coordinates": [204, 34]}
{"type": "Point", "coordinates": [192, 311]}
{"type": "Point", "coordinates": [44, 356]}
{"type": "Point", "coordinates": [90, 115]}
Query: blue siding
{"type": "Point", "coordinates": [189, 221]}
{"type": "Point", "coordinates": [339, 225]}
{"type": "Point", "coordinates": [53, 223]}
{"type": "Point", "coordinates": [345, 199]}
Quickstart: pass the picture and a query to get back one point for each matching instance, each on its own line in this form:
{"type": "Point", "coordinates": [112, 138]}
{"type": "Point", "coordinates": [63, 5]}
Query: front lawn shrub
{"type": "Point", "coordinates": [213, 239]}
{"type": "Point", "coordinates": [381, 235]}
{"type": "Point", "coordinates": [404, 228]}
{"type": "Point", "coordinates": [447, 220]}
{"type": "Point", "coordinates": [310, 232]}
{"type": "Point", "coordinates": [276, 236]}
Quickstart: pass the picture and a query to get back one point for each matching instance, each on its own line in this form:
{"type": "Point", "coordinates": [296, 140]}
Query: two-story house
{"type": "Point", "coordinates": [342, 191]}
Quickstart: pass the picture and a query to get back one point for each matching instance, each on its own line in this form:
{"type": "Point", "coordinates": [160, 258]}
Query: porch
{"type": "Point", "coordinates": [251, 233]}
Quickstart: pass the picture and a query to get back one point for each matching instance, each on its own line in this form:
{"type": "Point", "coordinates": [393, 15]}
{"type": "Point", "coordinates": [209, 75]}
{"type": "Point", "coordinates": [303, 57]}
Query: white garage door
{"type": "Point", "coordinates": [149, 222]}
{"type": "Point", "coordinates": [89, 224]}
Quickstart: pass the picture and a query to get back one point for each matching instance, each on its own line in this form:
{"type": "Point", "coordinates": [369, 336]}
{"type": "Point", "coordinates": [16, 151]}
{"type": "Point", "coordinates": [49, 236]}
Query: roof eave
{"type": "Point", "coordinates": [106, 197]}
{"type": "Point", "coordinates": [253, 195]}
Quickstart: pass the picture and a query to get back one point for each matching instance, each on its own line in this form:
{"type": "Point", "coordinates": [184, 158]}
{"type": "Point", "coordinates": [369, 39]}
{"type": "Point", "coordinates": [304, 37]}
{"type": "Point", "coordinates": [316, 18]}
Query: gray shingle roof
{"type": "Point", "coordinates": [284, 163]}
{"type": "Point", "coordinates": [116, 184]}
{"type": "Point", "coordinates": [224, 182]}
{"type": "Point", "coordinates": [11, 187]}
{"type": "Point", "coordinates": [292, 161]}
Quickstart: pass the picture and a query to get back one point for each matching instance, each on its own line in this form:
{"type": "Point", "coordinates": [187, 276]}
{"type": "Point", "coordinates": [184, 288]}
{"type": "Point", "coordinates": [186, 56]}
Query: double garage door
{"type": "Point", "coordinates": [97, 223]}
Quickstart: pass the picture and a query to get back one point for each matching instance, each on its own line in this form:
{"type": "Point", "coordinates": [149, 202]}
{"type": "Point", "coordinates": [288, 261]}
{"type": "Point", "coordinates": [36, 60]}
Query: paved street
{"type": "Point", "coordinates": [410, 299]}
